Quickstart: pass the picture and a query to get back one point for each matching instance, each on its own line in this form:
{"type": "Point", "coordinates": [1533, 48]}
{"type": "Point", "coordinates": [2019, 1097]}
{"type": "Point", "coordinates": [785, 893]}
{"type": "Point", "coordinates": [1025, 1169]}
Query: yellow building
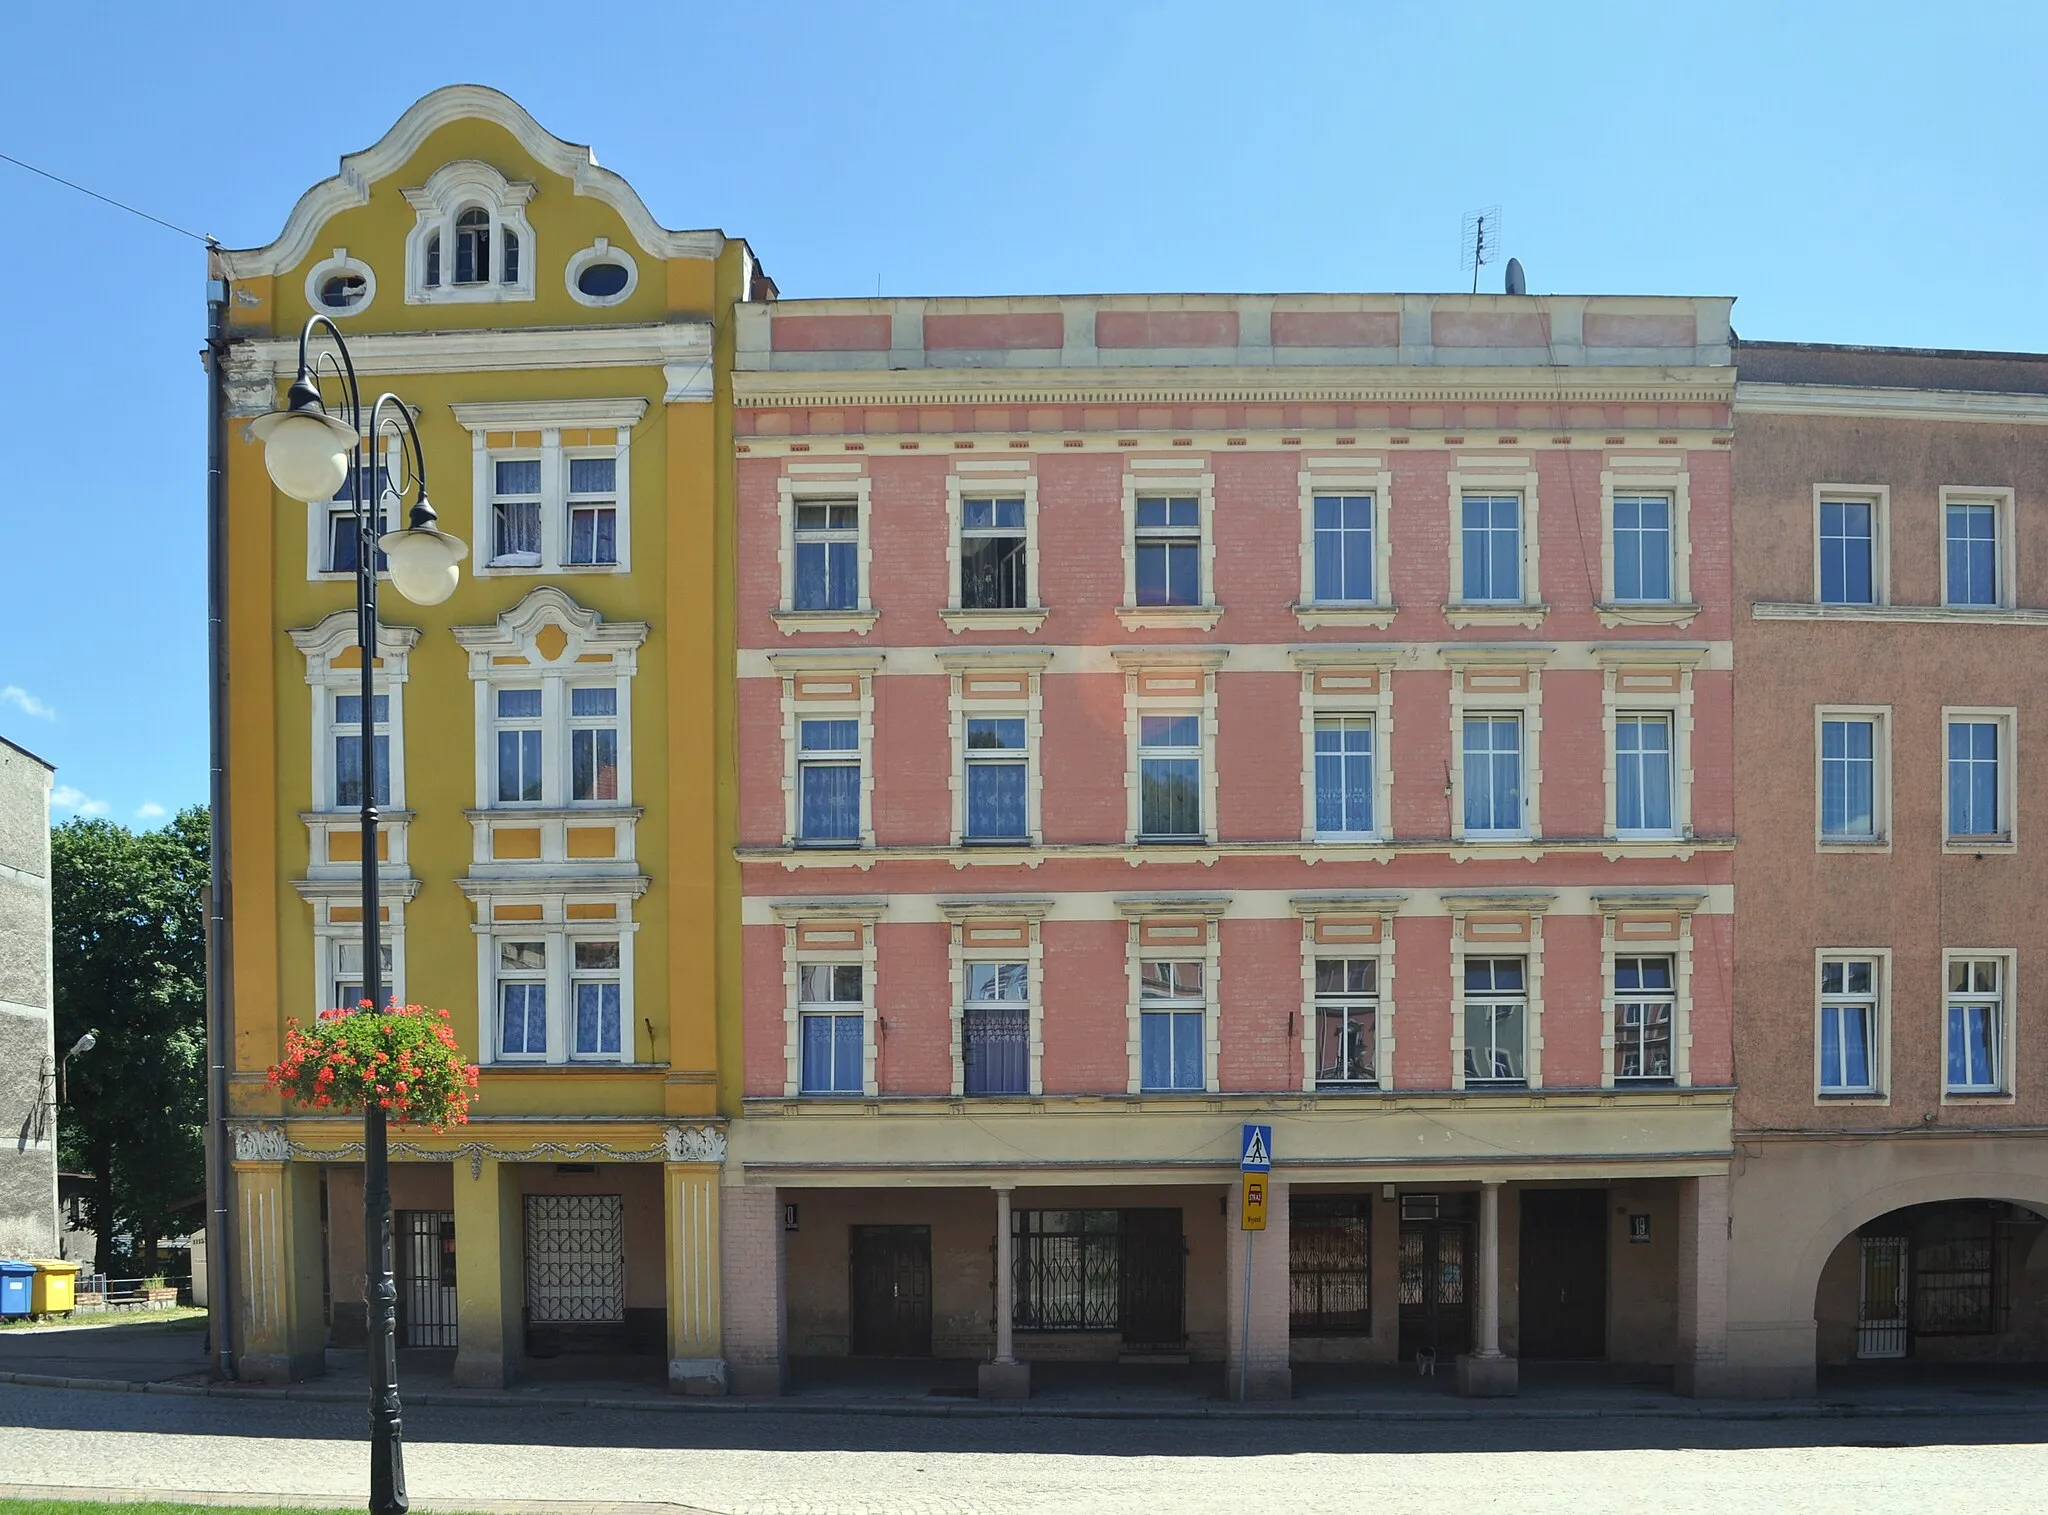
{"type": "Point", "coordinates": [556, 763]}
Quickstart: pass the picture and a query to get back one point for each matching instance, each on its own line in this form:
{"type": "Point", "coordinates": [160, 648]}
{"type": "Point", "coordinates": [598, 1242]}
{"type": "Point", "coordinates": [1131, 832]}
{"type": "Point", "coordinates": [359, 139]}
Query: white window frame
{"type": "Point", "coordinates": [974, 479]}
{"type": "Point", "coordinates": [453, 188]}
{"type": "Point", "coordinates": [1347, 476]}
{"type": "Point", "coordinates": [1173, 478]}
{"type": "Point", "coordinates": [513, 651]}
{"type": "Point", "coordinates": [332, 668]}
{"type": "Point", "coordinates": [338, 922]}
{"type": "Point", "coordinates": [320, 528]}
{"type": "Point", "coordinates": [2004, 557]}
{"type": "Point", "coordinates": [1633, 477]}
{"type": "Point", "coordinates": [579, 975]}
{"type": "Point", "coordinates": [828, 932]}
{"type": "Point", "coordinates": [1647, 923]}
{"type": "Point", "coordinates": [337, 950]}
{"type": "Point", "coordinates": [1176, 681]}
{"type": "Point", "coordinates": [560, 920]}
{"type": "Point", "coordinates": [1340, 681]}
{"type": "Point", "coordinates": [1476, 476]}
{"type": "Point", "coordinates": [603, 250]}
{"type": "Point", "coordinates": [1490, 926]}
{"type": "Point", "coordinates": [993, 929]}
{"type": "Point", "coordinates": [814, 484]}
{"type": "Point", "coordinates": [338, 264]}
{"type": "Point", "coordinates": [1879, 498]}
{"type": "Point", "coordinates": [1880, 959]}
{"type": "Point", "coordinates": [1497, 681]}
{"type": "Point", "coordinates": [554, 432]}
{"type": "Point", "coordinates": [1000, 683]}
{"type": "Point", "coordinates": [2004, 1022]}
{"type": "Point", "coordinates": [1668, 720]}
{"type": "Point", "coordinates": [1881, 786]}
{"type": "Point", "coordinates": [1348, 925]}
{"type": "Point", "coordinates": [1159, 930]}
{"type": "Point", "coordinates": [1644, 679]}
{"type": "Point", "coordinates": [2007, 719]}
{"type": "Point", "coordinates": [830, 687]}
{"type": "Point", "coordinates": [503, 725]}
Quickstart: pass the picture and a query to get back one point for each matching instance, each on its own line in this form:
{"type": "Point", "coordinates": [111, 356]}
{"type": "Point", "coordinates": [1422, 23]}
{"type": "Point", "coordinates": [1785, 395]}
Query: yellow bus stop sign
{"type": "Point", "coordinates": [1253, 1212]}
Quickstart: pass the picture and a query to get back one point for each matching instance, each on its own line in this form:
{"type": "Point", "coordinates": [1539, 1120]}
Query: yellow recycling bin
{"type": "Point", "coordinates": [55, 1289]}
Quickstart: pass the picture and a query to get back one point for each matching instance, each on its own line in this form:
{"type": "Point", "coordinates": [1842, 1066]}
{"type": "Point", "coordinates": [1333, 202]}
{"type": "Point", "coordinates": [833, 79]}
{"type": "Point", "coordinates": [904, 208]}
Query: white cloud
{"type": "Point", "coordinates": [26, 703]}
{"type": "Point", "coordinates": [150, 810]}
{"type": "Point", "coordinates": [64, 797]}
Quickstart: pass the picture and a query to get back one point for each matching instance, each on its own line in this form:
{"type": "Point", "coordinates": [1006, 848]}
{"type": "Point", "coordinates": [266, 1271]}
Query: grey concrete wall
{"type": "Point", "coordinates": [28, 1132]}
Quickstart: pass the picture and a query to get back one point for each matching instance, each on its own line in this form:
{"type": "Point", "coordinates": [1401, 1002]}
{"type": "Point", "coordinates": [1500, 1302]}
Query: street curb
{"type": "Point", "coordinates": [969, 1410]}
{"type": "Point", "coordinates": [239, 1499]}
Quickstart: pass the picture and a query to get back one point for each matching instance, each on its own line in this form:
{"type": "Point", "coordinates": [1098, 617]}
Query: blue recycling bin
{"type": "Point", "coordinates": [15, 1279]}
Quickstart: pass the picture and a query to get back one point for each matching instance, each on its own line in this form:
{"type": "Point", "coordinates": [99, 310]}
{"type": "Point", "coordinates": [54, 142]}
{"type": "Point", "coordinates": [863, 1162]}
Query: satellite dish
{"type": "Point", "coordinates": [1517, 285]}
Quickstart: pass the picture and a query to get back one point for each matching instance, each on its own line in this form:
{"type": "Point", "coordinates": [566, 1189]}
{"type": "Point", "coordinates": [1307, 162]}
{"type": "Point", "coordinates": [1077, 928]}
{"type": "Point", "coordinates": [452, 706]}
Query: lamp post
{"type": "Point", "coordinates": [85, 1043]}
{"type": "Point", "coordinates": [309, 454]}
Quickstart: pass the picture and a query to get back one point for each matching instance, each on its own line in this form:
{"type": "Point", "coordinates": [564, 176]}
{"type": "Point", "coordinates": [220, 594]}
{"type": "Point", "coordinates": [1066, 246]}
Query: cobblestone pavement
{"type": "Point", "coordinates": [780, 1464]}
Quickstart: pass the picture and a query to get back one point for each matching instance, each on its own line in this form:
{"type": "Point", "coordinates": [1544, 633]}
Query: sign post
{"type": "Point", "coordinates": [1255, 1163]}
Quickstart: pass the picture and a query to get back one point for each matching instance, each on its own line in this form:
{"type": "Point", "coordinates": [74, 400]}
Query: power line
{"type": "Point", "coordinates": [108, 200]}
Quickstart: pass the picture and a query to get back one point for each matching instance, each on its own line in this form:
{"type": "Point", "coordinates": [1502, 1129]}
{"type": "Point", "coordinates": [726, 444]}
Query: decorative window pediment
{"type": "Point", "coordinates": [472, 241]}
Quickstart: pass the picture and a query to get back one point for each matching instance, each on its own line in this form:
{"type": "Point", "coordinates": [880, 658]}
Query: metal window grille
{"type": "Point", "coordinates": [1881, 1307]}
{"type": "Point", "coordinates": [426, 1278]}
{"type": "Point", "coordinates": [1102, 1270]}
{"type": "Point", "coordinates": [575, 1258]}
{"type": "Point", "coordinates": [1953, 1274]}
{"type": "Point", "coordinates": [1330, 1266]}
{"type": "Point", "coordinates": [1068, 1266]}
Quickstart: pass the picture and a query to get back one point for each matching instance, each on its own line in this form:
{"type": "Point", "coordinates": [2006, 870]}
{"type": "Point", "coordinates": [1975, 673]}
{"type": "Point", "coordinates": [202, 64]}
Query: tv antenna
{"type": "Point", "coordinates": [1480, 244]}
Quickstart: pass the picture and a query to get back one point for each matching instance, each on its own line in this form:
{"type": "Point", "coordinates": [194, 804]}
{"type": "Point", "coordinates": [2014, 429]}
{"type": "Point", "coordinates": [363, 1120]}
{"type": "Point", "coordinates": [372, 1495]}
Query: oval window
{"type": "Point", "coordinates": [343, 291]}
{"type": "Point", "coordinates": [602, 280]}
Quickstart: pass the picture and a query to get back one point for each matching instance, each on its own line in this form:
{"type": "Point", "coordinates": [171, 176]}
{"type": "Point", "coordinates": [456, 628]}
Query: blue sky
{"type": "Point", "coordinates": [1851, 172]}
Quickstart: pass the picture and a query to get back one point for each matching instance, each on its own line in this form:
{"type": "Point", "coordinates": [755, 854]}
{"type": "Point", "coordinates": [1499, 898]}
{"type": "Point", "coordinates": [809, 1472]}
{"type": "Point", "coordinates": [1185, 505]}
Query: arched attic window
{"type": "Point", "coordinates": [472, 241]}
{"type": "Point", "coordinates": [473, 246]}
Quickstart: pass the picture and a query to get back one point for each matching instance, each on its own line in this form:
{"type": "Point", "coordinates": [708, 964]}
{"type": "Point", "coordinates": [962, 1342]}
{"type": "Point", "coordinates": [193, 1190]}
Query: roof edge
{"type": "Point", "coordinates": [350, 188]}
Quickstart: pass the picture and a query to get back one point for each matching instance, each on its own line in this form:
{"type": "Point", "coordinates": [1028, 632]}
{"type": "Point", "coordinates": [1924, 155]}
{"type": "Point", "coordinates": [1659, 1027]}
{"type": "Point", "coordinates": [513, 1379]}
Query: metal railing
{"type": "Point", "coordinates": [96, 1292]}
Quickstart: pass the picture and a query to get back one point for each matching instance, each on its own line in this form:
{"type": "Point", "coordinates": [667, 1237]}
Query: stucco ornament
{"type": "Point", "coordinates": [262, 1144]}
{"type": "Point", "coordinates": [696, 1144]}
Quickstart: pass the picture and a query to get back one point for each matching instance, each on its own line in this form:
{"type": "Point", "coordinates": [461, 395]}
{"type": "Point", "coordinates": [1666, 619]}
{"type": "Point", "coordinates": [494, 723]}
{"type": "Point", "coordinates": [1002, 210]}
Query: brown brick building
{"type": "Point", "coordinates": [1891, 585]}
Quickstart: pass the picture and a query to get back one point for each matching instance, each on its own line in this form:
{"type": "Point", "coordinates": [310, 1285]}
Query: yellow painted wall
{"type": "Point", "coordinates": [687, 949]}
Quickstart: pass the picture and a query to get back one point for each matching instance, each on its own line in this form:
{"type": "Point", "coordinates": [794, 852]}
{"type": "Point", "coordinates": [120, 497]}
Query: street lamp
{"type": "Point", "coordinates": [85, 1043]}
{"type": "Point", "coordinates": [310, 454]}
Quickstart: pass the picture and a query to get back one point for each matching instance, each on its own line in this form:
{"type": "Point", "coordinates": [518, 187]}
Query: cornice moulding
{"type": "Point", "coordinates": [350, 188]}
{"type": "Point", "coordinates": [1933, 615]}
{"type": "Point", "coordinates": [1132, 383]}
{"type": "Point", "coordinates": [260, 362]}
{"type": "Point", "coordinates": [515, 415]}
{"type": "Point", "coordinates": [1889, 404]}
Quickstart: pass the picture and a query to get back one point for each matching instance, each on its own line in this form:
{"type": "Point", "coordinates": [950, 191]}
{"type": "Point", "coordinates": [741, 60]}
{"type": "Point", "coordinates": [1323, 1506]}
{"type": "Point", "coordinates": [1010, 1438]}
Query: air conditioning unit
{"type": "Point", "coordinates": [1419, 1206]}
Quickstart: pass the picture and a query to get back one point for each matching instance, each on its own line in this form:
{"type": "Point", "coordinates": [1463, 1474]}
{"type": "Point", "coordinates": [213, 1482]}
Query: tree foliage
{"type": "Point", "coordinates": [129, 915]}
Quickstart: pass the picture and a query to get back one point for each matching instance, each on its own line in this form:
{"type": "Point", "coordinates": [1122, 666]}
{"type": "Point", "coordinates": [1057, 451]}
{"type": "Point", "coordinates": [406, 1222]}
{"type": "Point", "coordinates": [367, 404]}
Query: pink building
{"type": "Point", "coordinates": [1166, 713]}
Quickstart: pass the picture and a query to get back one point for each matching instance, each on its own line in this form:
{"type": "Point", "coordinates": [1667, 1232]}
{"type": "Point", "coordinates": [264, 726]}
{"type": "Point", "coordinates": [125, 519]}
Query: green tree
{"type": "Point", "coordinates": [129, 916]}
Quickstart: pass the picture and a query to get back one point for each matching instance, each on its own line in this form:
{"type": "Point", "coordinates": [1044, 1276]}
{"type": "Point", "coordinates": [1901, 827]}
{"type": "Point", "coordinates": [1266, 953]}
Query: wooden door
{"type": "Point", "coordinates": [1436, 1308]}
{"type": "Point", "coordinates": [1151, 1284]}
{"type": "Point", "coordinates": [891, 1298]}
{"type": "Point", "coordinates": [1564, 1273]}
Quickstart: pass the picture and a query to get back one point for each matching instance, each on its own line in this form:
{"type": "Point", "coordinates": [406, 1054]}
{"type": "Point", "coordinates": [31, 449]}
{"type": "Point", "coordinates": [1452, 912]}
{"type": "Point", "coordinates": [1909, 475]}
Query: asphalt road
{"type": "Point", "coordinates": [796, 1464]}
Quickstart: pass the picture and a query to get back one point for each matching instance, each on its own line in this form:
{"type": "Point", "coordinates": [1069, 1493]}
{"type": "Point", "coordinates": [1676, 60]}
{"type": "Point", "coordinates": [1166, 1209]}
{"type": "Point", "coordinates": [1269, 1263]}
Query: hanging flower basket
{"type": "Point", "coordinates": [405, 1059]}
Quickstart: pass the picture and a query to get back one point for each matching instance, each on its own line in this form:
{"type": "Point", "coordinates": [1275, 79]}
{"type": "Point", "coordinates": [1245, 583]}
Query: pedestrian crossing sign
{"type": "Point", "coordinates": [1257, 1150]}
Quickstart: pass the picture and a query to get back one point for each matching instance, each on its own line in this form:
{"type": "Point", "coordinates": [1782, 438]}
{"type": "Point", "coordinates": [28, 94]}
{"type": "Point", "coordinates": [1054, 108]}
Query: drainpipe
{"type": "Point", "coordinates": [219, 1001]}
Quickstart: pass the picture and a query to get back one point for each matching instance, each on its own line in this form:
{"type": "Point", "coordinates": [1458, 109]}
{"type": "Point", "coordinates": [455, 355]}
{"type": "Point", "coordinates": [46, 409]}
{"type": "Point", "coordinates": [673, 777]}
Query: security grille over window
{"type": "Point", "coordinates": [1330, 1265]}
{"type": "Point", "coordinates": [1102, 1270]}
{"type": "Point", "coordinates": [1881, 1311]}
{"type": "Point", "coordinates": [575, 1258]}
{"type": "Point", "coordinates": [1952, 1274]}
{"type": "Point", "coordinates": [426, 1278]}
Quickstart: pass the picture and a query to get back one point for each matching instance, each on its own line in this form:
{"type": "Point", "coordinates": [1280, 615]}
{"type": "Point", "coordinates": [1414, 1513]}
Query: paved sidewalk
{"type": "Point", "coordinates": [548, 1459]}
{"type": "Point", "coordinates": [170, 1359]}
